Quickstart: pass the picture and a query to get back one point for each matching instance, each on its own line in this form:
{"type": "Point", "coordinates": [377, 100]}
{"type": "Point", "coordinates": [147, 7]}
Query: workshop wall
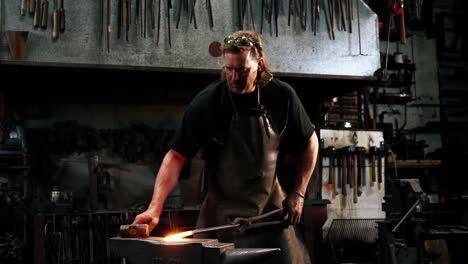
{"type": "Point", "coordinates": [294, 51]}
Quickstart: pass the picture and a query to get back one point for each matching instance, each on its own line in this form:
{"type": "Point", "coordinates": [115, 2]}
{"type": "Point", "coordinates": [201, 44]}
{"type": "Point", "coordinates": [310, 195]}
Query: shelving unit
{"type": "Point", "coordinates": [398, 76]}
{"type": "Point", "coordinates": [14, 193]}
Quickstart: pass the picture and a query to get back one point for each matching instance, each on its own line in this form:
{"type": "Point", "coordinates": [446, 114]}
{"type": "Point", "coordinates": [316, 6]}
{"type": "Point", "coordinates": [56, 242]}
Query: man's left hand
{"type": "Point", "coordinates": [294, 202]}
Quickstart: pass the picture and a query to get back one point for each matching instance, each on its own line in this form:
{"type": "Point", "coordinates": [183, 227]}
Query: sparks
{"type": "Point", "coordinates": [178, 236]}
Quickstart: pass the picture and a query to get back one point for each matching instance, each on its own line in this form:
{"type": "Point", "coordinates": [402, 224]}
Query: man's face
{"type": "Point", "coordinates": [241, 71]}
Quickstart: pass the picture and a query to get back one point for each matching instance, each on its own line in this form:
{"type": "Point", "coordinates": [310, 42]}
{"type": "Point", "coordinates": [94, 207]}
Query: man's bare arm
{"type": "Point", "coordinates": [305, 167]}
{"type": "Point", "coordinates": [166, 179]}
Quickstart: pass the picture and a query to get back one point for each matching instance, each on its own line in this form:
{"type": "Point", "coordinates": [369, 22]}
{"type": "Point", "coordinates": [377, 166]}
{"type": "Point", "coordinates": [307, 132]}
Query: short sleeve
{"type": "Point", "coordinates": [299, 127]}
{"type": "Point", "coordinates": [191, 133]}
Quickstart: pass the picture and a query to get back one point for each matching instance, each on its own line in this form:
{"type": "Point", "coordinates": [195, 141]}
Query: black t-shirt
{"type": "Point", "coordinates": [210, 112]}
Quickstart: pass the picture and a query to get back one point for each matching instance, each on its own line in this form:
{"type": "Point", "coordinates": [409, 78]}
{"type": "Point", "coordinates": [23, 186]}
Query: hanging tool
{"type": "Point", "coordinates": [251, 15]}
{"type": "Point", "coordinates": [137, 11]}
{"type": "Point", "coordinates": [339, 165]}
{"type": "Point", "coordinates": [159, 23]}
{"type": "Point", "coordinates": [361, 157]}
{"type": "Point", "coordinates": [192, 13]}
{"type": "Point", "coordinates": [120, 17]}
{"type": "Point", "coordinates": [349, 157]}
{"type": "Point", "coordinates": [151, 10]}
{"type": "Point", "coordinates": [44, 13]}
{"type": "Point", "coordinates": [327, 19]}
{"type": "Point", "coordinates": [322, 155]}
{"type": "Point", "coordinates": [356, 185]}
{"type": "Point", "coordinates": [126, 13]}
{"type": "Point", "coordinates": [330, 151]}
{"type": "Point", "coordinates": [316, 16]}
{"type": "Point", "coordinates": [146, 10]}
{"type": "Point", "coordinates": [372, 153]}
{"type": "Point", "coordinates": [359, 26]}
{"type": "Point", "coordinates": [62, 16]}
{"type": "Point", "coordinates": [312, 10]}
{"type": "Point", "coordinates": [129, 16]}
{"type": "Point", "coordinates": [168, 8]}
{"type": "Point", "coordinates": [246, 11]}
{"type": "Point", "coordinates": [32, 7]}
{"type": "Point", "coordinates": [342, 14]}
{"type": "Point", "coordinates": [275, 3]}
{"type": "Point", "coordinates": [139, 19]}
{"type": "Point", "coordinates": [349, 9]}
{"type": "Point", "coordinates": [298, 9]}
{"type": "Point", "coordinates": [379, 171]}
{"type": "Point", "coordinates": [143, 18]}
{"type": "Point", "coordinates": [348, 177]}
{"type": "Point", "coordinates": [331, 11]}
{"type": "Point", "coordinates": [402, 21]}
{"type": "Point", "coordinates": [398, 10]}
{"type": "Point", "coordinates": [179, 13]}
{"type": "Point", "coordinates": [23, 7]}
{"type": "Point", "coordinates": [240, 14]}
{"type": "Point", "coordinates": [210, 13]}
{"type": "Point", "coordinates": [380, 165]}
{"type": "Point", "coordinates": [269, 14]}
{"type": "Point", "coordinates": [345, 170]}
{"type": "Point", "coordinates": [304, 15]}
{"type": "Point", "coordinates": [37, 14]}
{"type": "Point", "coordinates": [337, 18]}
{"type": "Point", "coordinates": [55, 22]}
{"type": "Point", "coordinates": [262, 8]}
{"type": "Point", "coordinates": [103, 22]}
{"type": "Point", "coordinates": [106, 24]}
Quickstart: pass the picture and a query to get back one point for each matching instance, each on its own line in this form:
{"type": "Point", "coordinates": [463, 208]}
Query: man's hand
{"type": "Point", "coordinates": [294, 202]}
{"type": "Point", "coordinates": [147, 217]}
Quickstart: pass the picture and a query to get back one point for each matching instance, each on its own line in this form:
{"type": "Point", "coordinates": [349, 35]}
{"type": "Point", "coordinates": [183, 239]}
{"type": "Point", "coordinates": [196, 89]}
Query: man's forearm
{"type": "Point", "coordinates": [306, 164]}
{"type": "Point", "coordinates": [166, 179]}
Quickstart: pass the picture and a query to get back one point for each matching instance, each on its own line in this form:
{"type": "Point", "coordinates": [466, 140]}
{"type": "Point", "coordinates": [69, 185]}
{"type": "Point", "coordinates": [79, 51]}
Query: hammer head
{"type": "Point", "coordinates": [134, 231]}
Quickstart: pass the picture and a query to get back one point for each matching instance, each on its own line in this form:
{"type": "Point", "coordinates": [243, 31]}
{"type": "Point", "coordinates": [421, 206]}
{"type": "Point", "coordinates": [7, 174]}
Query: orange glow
{"type": "Point", "coordinates": [178, 236]}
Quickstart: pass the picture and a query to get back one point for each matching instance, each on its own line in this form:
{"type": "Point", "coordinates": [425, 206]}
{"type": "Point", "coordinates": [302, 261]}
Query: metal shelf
{"type": "Point", "coordinates": [16, 153]}
{"type": "Point", "coordinates": [392, 98]}
{"type": "Point", "coordinates": [414, 164]}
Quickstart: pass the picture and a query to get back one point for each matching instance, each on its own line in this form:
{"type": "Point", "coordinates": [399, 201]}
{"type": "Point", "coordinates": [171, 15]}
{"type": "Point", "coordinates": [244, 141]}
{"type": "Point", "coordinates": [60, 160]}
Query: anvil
{"type": "Point", "coordinates": [155, 250]}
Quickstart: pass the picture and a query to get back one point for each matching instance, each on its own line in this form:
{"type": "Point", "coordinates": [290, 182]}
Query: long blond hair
{"type": "Point", "coordinates": [256, 51]}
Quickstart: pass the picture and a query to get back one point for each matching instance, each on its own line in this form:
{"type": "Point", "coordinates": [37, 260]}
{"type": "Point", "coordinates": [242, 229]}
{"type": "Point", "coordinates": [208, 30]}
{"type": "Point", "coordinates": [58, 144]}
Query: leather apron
{"type": "Point", "coordinates": [242, 182]}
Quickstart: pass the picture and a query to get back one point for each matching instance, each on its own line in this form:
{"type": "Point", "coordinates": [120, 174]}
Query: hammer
{"type": "Point", "coordinates": [134, 231]}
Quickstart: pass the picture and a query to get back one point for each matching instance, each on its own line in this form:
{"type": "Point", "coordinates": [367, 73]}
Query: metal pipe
{"type": "Point", "coordinates": [406, 215]}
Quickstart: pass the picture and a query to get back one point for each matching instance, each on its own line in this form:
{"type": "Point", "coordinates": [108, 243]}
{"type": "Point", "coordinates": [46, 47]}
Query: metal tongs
{"type": "Point", "coordinates": [241, 224]}
{"type": "Point", "coordinates": [248, 223]}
